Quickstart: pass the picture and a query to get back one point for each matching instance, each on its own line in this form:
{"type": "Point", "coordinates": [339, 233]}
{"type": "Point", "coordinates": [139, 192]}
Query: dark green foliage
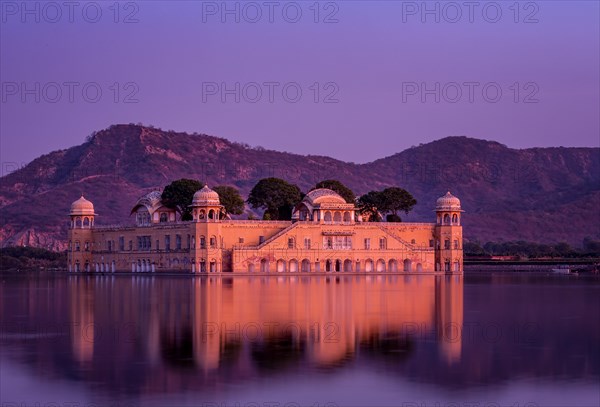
{"type": "Point", "coordinates": [276, 196]}
{"type": "Point", "coordinates": [369, 204]}
{"type": "Point", "coordinates": [231, 199]}
{"type": "Point", "coordinates": [13, 258]}
{"type": "Point", "coordinates": [391, 200]}
{"type": "Point", "coordinates": [338, 187]}
{"type": "Point", "coordinates": [395, 200]}
{"type": "Point", "coordinates": [178, 195]}
{"type": "Point", "coordinates": [532, 250]}
{"type": "Point", "coordinates": [392, 217]}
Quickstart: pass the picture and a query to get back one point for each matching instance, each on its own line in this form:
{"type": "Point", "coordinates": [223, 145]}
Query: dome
{"type": "Point", "coordinates": [151, 201]}
{"type": "Point", "coordinates": [448, 202]}
{"type": "Point", "coordinates": [82, 207]}
{"type": "Point", "coordinates": [206, 197]}
{"type": "Point", "coordinates": [323, 195]}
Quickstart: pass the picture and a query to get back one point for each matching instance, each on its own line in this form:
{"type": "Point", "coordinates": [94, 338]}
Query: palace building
{"type": "Point", "coordinates": [326, 234]}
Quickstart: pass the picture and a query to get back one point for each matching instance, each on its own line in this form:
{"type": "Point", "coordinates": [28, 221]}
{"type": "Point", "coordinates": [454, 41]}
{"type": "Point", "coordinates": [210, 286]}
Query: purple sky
{"type": "Point", "coordinates": [372, 62]}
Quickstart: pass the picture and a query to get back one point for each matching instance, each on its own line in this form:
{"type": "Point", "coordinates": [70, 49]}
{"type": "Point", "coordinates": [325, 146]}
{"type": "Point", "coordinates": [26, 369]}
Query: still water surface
{"type": "Point", "coordinates": [414, 341]}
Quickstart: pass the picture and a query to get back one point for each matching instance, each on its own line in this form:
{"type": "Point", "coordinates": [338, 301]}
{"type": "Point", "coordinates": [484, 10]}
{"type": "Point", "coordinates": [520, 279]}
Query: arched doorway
{"type": "Point", "coordinates": [407, 265]}
{"type": "Point", "coordinates": [380, 265]}
{"type": "Point", "coordinates": [264, 265]}
{"type": "Point", "coordinates": [328, 266]}
{"type": "Point", "coordinates": [293, 266]}
{"type": "Point", "coordinates": [338, 265]}
{"type": "Point", "coordinates": [305, 266]}
{"type": "Point", "coordinates": [393, 266]}
{"type": "Point", "coordinates": [280, 266]}
{"type": "Point", "coordinates": [347, 265]}
{"type": "Point", "coordinates": [250, 267]}
{"type": "Point", "coordinates": [368, 265]}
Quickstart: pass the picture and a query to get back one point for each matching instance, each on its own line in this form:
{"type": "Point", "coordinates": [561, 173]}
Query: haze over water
{"type": "Point", "coordinates": [493, 339]}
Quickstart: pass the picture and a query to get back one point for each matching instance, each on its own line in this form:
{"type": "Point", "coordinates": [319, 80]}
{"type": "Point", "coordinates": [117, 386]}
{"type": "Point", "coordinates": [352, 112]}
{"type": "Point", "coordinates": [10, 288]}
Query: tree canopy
{"type": "Point", "coordinates": [276, 196]}
{"type": "Point", "coordinates": [338, 187]}
{"type": "Point", "coordinates": [391, 201]}
{"type": "Point", "coordinates": [231, 199]}
{"type": "Point", "coordinates": [179, 194]}
{"type": "Point", "coordinates": [368, 205]}
{"type": "Point", "coordinates": [394, 200]}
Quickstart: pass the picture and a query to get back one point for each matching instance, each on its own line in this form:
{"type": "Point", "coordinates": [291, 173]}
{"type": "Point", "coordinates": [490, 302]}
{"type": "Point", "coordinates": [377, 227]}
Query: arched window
{"type": "Point", "coordinates": [86, 222]}
{"type": "Point", "coordinates": [347, 217]}
{"type": "Point", "coordinates": [201, 215]}
{"type": "Point", "coordinates": [337, 217]}
{"type": "Point", "coordinates": [211, 214]}
{"type": "Point", "coordinates": [164, 217]}
{"type": "Point", "coordinates": [455, 219]}
{"type": "Point", "coordinates": [327, 217]}
{"type": "Point", "coordinates": [446, 219]}
{"type": "Point", "coordinates": [213, 242]}
{"type": "Point", "coordinates": [456, 244]}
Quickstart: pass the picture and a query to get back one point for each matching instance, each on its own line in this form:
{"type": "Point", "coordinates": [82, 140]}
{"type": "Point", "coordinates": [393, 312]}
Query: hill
{"type": "Point", "coordinates": [538, 194]}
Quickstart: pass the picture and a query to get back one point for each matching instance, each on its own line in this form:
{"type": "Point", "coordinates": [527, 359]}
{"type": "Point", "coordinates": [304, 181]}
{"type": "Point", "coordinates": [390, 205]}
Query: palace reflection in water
{"type": "Point", "coordinates": [323, 319]}
{"type": "Point", "coordinates": [144, 337]}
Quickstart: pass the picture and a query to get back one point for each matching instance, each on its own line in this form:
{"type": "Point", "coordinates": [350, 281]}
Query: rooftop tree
{"type": "Point", "coordinates": [391, 201]}
{"type": "Point", "coordinates": [369, 205]}
{"type": "Point", "coordinates": [179, 194]}
{"type": "Point", "coordinates": [276, 196]}
{"type": "Point", "coordinates": [394, 200]}
{"type": "Point", "coordinates": [231, 199]}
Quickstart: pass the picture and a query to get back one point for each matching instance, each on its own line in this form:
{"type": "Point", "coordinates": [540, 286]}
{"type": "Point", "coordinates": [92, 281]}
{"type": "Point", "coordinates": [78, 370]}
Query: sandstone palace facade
{"type": "Point", "coordinates": [325, 235]}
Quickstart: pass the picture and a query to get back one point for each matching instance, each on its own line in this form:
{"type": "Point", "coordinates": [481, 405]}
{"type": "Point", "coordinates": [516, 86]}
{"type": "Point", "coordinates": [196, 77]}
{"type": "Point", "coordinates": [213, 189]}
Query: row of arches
{"type": "Point", "coordinates": [85, 222]}
{"type": "Point", "coordinates": [211, 215]}
{"type": "Point", "coordinates": [448, 219]}
{"type": "Point", "coordinates": [337, 265]}
{"type": "Point", "coordinates": [337, 217]}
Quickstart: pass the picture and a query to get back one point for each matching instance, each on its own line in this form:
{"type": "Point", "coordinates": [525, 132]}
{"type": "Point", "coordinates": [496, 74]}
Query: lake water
{"type": "Point", "coordinates": [499, 339]}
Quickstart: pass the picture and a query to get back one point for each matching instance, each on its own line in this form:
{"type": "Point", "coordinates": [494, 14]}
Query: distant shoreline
{"type": "Point", "coordinates": [588, 265]}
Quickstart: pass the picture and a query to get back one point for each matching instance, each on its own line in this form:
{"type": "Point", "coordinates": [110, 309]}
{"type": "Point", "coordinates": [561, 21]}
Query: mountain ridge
{"type": "Point", "coordinates": [544, 194]}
